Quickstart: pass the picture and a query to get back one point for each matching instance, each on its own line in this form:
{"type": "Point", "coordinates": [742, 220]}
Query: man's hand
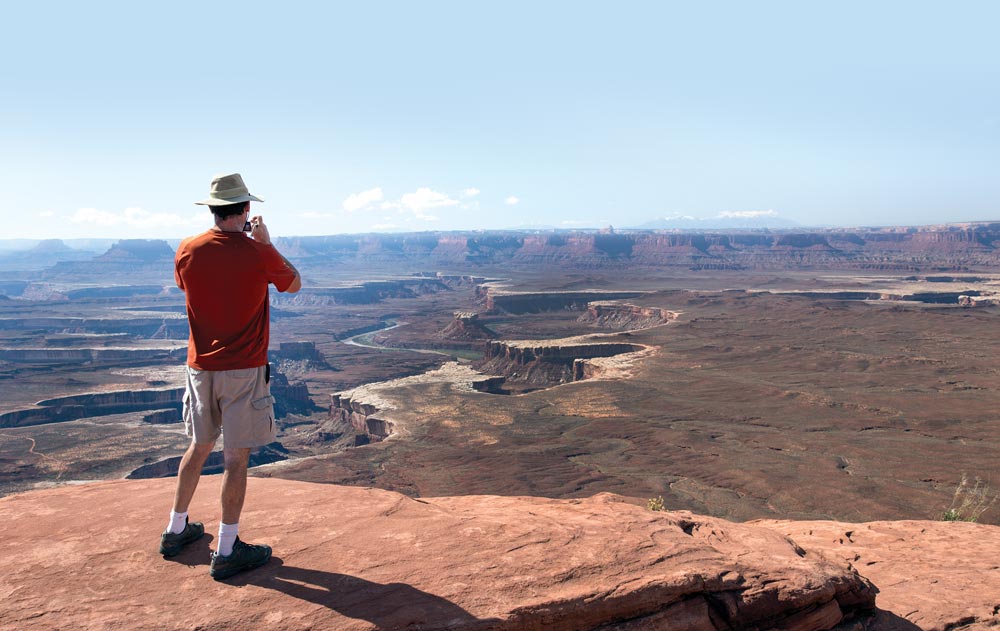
{"type": "Point", "coordinates": [258, 231]}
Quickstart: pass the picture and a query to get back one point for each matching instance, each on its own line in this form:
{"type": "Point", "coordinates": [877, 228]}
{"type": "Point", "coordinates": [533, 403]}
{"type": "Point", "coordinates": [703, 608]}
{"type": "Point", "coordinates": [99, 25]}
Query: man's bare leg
{"type": "Point", "coordinates": [234, 490]}
{"type": "Point", "coordinates": [179, 533]}
{"type": "Point", "coordinates": [189, 473]}
{"type": "Point", "coordinates": [234, 484]}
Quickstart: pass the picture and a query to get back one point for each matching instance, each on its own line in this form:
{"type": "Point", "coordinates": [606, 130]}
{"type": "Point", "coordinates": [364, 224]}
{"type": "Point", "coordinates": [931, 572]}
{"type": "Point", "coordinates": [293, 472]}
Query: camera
{"type": "Point", "coordinates": [247, 227]}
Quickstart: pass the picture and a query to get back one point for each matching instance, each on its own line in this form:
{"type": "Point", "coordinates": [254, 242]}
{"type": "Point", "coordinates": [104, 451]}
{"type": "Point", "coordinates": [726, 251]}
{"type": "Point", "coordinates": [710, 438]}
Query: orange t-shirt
{"type": "Point", "coordinates": [224, 276]}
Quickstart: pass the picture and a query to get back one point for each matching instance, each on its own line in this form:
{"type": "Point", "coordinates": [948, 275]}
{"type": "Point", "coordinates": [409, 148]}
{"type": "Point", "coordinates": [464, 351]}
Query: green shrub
{"type": "Point", "coordinates": [655, 503]}
{"type": "Point", "coordinates": [970, 502]}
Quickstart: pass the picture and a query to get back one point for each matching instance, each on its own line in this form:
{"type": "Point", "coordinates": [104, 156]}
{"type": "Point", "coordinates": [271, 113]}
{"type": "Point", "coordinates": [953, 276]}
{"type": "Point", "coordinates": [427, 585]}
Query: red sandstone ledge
{"type": "Point", "coordinates": [351, 558]}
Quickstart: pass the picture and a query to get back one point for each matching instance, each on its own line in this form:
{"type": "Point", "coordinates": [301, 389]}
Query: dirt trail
{"type": "Point", "coordinates": [58, 465]}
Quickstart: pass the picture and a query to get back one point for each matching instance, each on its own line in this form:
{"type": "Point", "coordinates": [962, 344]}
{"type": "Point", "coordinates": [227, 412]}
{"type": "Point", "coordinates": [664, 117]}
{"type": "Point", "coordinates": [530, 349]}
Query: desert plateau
{"type": "Point", "coordinates": [530, 430]}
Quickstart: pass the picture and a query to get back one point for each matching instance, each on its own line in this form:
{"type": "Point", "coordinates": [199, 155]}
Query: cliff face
{"type": "Point", "coordinates": [626, 317]}
{"type": "Point", "coordinates": [547, 363]}
{"type": "Point", "coordinates": [93, 404]}
{"type": "Point", "coordinates": [289, 397]}
{"type": "Point", "coordinates": [360, 416]}
{"type": "Point", "coordinates": [163, 417]}
{"type": "Point", "coordinates": [929, 247]}
{"type": "Point", "coordinates": [92, 356]}
{"type": "Point", "coordinates": [367, 412]}
{"type": "Point", "coordinates": [535, 302]}
{"type": "Point", "coordinates": [214, 464]}
{"type": "Point", "coordinates": [365, 293]}
{"type": "Point", "coordinates": [137, 326]}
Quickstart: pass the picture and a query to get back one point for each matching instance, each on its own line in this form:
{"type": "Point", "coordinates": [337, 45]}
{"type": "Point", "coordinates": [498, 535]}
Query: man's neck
{"type": "Point", "coordinates": [230, 224]}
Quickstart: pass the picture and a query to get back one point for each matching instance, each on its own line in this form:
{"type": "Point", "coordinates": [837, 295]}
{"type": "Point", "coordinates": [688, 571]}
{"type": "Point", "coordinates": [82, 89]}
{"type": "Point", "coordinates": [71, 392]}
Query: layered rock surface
{"type": "Point", "coordinates": [352, 558]}
{"type": "Point", "coordinates": [941, 576]}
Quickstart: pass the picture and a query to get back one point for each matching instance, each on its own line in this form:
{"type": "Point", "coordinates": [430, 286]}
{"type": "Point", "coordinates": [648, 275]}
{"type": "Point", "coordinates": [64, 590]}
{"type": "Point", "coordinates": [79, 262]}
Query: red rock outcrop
{"type": "Point", "coordinates": [367, 411]}
{"type": "Point", "coordinates": [625, 316]}
{"type": "Point", "coordinates": [354, 559]}
{"type": "Point", "coordinates": [77, 406]}
{"type": "Point", "coordinates": [466, 327]}
{"type": "Point", "coordinates": [550, 362]}
{"type": "Point", "coordinates": [939, 576]}
{"type": "Point", "coordinates": [535, 302]}
{"type": "Point", "coordinates": [360, 416]}
{"type": "Point", "coordinates": [163, 417]}
{"type": "Point", "coordinates": [299, 350]}
{"type": "Point", "coordinates": [968, 300]}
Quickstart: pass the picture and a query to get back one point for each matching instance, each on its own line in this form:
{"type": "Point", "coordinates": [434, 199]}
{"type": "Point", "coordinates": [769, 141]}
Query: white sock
{"type": "Point", "coordinates": [227, 536]}
{"type": "Point", "coordinates": [177, 522]}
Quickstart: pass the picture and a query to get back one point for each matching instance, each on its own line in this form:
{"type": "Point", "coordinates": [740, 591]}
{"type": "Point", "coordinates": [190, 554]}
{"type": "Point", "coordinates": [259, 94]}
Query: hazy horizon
{"type": "Point", "coordinates": [450, 116]}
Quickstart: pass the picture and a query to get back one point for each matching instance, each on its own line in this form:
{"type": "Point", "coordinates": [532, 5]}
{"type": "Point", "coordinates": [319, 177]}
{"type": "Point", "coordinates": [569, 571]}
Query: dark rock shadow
{"type": "Point", "coordinates": [387, 606]}
{"type": "Point", "coordinates": [887, 621]}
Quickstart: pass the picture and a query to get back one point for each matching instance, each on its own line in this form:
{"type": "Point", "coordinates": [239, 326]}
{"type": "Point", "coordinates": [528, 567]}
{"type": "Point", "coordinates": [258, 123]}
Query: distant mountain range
{"type": "Point", "coordinates": [751, 220]}
{"type": "Point", "coordinates": [30, 255]}
{"type": "Point", "coordinates": [950, 247]}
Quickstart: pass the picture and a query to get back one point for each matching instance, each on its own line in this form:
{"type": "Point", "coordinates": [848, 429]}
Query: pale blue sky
{"type": "Point", "coordinates": [351, 117]}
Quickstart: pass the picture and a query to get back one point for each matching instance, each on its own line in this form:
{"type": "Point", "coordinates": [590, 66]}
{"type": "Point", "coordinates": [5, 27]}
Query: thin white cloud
{"type": "Point", "coordinates": [747, 214]}
{"type": "Point", "coordinates": [413, 205]}
{"type": "Point", "coordinates": [46, 213]}
{"type": "Point", "coordinates": [363, 200]}
{"type": "Point", "coordinates": [138, 217]}
{"type": "Point", "coordinates": [423, 199]}
{"type": "Point", "coordinates": [471, 192]}
{"type": "Point", "coordinates": [511, 201]}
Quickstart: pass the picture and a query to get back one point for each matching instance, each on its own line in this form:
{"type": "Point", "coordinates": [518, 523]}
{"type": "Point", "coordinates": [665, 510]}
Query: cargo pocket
{"type": "Point", "coordinates": [264, 425]}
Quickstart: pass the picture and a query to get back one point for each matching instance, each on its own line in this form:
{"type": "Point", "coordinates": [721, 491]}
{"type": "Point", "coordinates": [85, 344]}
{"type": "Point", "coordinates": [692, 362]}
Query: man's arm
{"type": "Point", "coordinates": [259, 233]}
{"type": "Point", "coordinates": [297, 281]}
{"type": "Point", "coordinates": [177, 262]}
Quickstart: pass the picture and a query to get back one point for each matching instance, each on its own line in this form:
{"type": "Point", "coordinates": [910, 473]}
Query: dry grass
{"type": "Point", "coordinates": [970, 502]}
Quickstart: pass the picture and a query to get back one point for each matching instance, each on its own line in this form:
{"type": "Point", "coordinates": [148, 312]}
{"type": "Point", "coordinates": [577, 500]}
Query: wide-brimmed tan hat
{"type": "Point", "coordinates": [228, 189]}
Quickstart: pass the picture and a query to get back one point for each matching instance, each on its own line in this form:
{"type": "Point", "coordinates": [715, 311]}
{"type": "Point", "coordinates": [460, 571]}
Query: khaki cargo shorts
{"type": "Point", "coordinates": [235, 403]}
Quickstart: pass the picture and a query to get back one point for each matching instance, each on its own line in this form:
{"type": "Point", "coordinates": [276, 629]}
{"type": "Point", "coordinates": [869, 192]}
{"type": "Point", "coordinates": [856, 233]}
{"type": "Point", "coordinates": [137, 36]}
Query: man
{"type": "Point", "coordinates": [225, 276]}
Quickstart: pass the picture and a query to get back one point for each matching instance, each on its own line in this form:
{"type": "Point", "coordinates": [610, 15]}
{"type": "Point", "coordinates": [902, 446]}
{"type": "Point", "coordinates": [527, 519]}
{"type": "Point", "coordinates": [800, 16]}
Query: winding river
{"type": "Point", "coordinates": [367, 340]}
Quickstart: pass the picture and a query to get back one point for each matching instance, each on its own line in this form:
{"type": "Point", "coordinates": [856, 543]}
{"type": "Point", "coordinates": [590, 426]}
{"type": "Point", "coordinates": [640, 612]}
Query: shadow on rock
{"type": "Point", "coordinates": [887, 621]}
{"type": "Point", "coordinates": [387, 606]}
{"type": "Point", "coordinates": [196, 553]}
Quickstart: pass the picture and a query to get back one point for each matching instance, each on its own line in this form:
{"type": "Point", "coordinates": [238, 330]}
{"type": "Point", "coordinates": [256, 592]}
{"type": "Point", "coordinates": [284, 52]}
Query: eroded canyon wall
{"type": "Point", "coordinates": [947, 247]}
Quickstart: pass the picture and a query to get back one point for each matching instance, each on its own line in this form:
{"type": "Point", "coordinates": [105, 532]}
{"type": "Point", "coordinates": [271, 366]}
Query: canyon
{"type": "Point", "coordinates": [809, 383]}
